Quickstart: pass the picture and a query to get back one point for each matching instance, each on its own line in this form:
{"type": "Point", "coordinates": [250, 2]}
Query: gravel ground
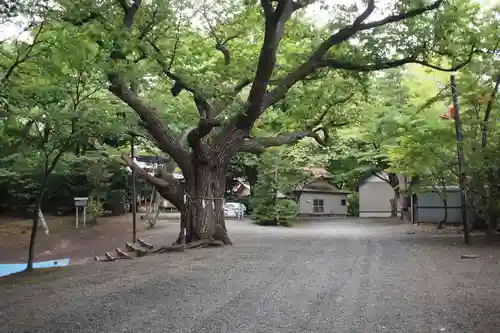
{"type": "Point", "coordinates": [329, 276]}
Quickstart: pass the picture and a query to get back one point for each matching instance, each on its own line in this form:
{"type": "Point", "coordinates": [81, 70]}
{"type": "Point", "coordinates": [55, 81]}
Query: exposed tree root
{"type": "Point", "coordinates": [192, 245]}
{"type": "Point", "coordinates": [225, 240]}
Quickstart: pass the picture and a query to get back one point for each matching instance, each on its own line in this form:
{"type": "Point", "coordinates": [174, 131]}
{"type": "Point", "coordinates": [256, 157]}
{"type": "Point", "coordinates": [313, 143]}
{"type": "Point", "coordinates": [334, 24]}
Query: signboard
{"type": "Point", "coordinates": [81, 201]}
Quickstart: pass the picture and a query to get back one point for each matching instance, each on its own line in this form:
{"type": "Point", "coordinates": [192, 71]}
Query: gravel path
{"type": "Point", "coordinates": [331, 276]}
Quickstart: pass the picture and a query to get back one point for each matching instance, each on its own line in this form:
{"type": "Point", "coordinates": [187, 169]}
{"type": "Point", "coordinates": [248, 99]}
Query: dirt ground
{"type": "Point", "coordinates": [65, 241]}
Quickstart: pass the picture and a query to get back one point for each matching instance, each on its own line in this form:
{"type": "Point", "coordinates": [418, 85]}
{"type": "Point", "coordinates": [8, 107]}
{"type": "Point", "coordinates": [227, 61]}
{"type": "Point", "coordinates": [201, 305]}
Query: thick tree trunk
{"type": "Point", "coordinates": [202, 217]}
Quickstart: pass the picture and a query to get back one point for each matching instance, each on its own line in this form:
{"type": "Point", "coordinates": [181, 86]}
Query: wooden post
{"type": "Point", "coordinates": [460, 155]}
{"type": "Point", "coordinates": [41, 218]}
{"type": "Point", "coordinates": [76, 223]}
{"type": "Point", "coordinates": [84, 216]}
{"type": "Point", "coordinates": [134, 194]}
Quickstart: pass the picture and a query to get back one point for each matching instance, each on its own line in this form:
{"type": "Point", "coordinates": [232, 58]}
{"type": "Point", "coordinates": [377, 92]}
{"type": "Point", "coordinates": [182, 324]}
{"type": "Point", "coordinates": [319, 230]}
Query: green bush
{"type": "Point", "coordinates": [353, 204]}
{"type": "Point", "coordinates": [94, 211]}
{"type": "Point", "coordinates": [69, 180]}
{"type": "Point", "coordinates": [264, 213]}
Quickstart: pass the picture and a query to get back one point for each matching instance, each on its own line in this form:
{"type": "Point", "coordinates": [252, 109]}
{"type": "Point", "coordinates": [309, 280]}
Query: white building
{"type": "Point", "coordinates": [375, 195]}
{"type": "Point", "coordinates": [320, 197]}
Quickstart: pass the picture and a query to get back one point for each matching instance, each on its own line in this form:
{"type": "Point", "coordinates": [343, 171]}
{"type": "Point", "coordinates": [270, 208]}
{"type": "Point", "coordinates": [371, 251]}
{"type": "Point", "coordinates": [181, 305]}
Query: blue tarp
{"type": "Point", "coordinates": [7, 269]}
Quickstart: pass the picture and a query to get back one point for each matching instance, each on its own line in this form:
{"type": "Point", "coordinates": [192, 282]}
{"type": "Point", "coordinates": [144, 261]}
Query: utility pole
{"type": "Point", "coordinates": [460, 155]}
{"type": "Point", "coordinates": [134, 194]}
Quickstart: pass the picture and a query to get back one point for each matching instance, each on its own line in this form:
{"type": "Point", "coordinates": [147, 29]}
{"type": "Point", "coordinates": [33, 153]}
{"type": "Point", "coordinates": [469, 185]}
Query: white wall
{"type": "Point", "coordinates": [332, 203]}
{"type": "Point", "coordinates": [430, 207]}
{"type": "Point", "coordinates": [374, 198]}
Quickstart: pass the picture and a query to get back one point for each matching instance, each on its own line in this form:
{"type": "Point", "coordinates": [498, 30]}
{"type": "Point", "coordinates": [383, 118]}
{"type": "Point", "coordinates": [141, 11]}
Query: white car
{"type": "Point", "coordinates": [234, 209]}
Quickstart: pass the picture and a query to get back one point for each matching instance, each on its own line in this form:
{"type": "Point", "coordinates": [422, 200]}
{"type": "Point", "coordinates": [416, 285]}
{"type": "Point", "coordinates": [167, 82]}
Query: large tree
{"type": "Point", "coordinates": [229, 108]}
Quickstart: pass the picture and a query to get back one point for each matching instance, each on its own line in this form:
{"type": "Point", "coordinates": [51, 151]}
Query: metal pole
{"type": "Point", "coordinates": [134, 194]}
{"type": "Point", "coordinates": [460, 155]}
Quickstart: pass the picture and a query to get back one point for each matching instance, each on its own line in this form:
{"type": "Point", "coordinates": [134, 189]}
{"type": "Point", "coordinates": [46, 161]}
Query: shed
{"type": "Point", "coordinates": [320, 197]}
{"type": "Point", "coordinates": [375, 195]}
{"type": "Point", "coordinates": [429, 206]}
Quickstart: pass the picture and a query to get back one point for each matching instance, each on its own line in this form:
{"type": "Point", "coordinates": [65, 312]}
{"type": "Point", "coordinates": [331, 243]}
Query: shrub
{"type": "Point", "coordinates": [353, 204]}
{"type": "Point", "coordinates": [264, 213]}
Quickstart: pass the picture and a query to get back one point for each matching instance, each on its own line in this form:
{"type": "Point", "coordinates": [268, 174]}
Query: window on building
{"type": "Point", "coordinates": [318, 206]}
{"type": "Point", "coordinates": [343, 202]}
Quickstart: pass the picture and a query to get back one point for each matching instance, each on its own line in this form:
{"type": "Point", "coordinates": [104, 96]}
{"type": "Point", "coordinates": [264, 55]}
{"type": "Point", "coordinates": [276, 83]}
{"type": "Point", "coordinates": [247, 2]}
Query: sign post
{"type": "Point", "coordinates": [81, 202]}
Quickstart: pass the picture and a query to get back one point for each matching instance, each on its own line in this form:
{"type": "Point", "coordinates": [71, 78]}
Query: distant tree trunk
{"type": "Point", "coordinates": [445, 219]}
{"type": "Point", "coordinates": [415, 180]}
{"type": "Point", "coordinates": [34, 230]}
{"type": "Point", "coordinates": [444, 197]}
{"type": "Point", "coordinates": [298, 194]}
{"type": "Point", "coordinates": [492, 215]}
{"type": "Point", "coordinates": [394, 203]}
{"type": "Point", "coordinates": [251, 174]}
{"type": "Point", "coordinates": [34, 227]}
{"type": "Point", "coordinates": [393, 180]}
{"type": "Point", "coordinates": [405, 208]}
{"type": "Point", "coordinates": [415, 209]}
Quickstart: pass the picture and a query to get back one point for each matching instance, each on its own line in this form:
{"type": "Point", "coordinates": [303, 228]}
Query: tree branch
{"type": "Point", "coordinates": [316, 58]}
{"type": "Point", "coordinates": [267, 7]}
{"type": "Point", "coordinates": [22, 58]}
{"type": "Point", "coordinates": [366, 13]}
{"type": "Point", "coordinates": [168, 186]}
{"type": "Point", "coordinates": [222, 47]}
{"type": "Point", "coordinates": [220, 44]}
{"type": "Point", "coordinates": [205, 109]}
{"type": "Point", "coordinates": [399, 17]}
{"type": "Point", "coordinates": [489, 107]}
{"type": "Point", "coordinates": [203, 129]}
{"type": "Point", "coordinates": [273, 33]}
{"type": "Point", "coordinates": [259, 145]}
{"type": "Point", "coordinates": [129, 11]}
{"type": "Point", "coordinates": [124, 5]}
{"type": "Point", "coordinates": [167, 142]}
{"type": "Point", "coordinates": [83, 20]}
{"type": "Point", "coordinates": [298, 4]}
{"type": "Point", "coordinates": [165, 139]}
{"type": "Point", "coordinates": [380, 65]}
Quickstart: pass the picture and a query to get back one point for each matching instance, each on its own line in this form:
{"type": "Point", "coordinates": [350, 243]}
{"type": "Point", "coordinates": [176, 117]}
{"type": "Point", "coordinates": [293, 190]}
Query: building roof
{"type": "Point", "coordinates": [318, 172]}
{"type": "Point", "coordinates": [379, 177]}
{"type": "Point", "coordinates": [324, 187]}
